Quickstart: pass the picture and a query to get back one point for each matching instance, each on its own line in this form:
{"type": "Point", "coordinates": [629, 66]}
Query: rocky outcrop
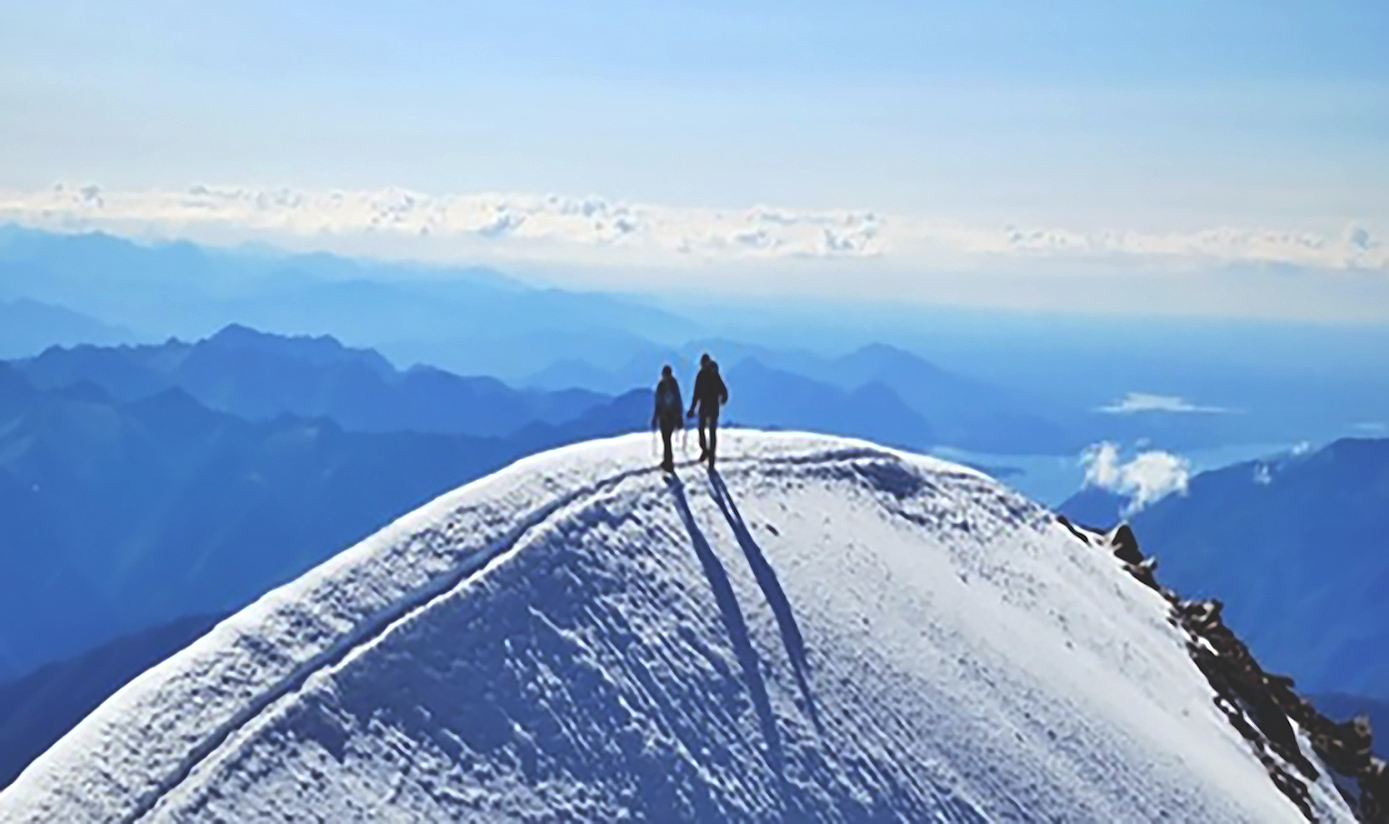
{"type": "Point", "coordinates": [1262, 706]}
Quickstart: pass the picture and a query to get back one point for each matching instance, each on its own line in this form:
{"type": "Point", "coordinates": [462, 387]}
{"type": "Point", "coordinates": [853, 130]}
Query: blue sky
{"type": "Point", "coordinates": [1151, 117]}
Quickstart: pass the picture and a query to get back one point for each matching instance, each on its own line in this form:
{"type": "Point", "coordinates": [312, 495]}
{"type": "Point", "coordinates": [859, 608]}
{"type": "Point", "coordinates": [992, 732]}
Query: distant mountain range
{"type": "Point", "coordinates": [468, 319]}
{"type": "Point", "coordinates": [28, 326]}
{"type": "Point", "coordinates": [259, 377]}
{"type": "Point", "coordinates": [123, 515]}
{"type": "Point", "coordinates": [1296, 546]}
{"type": "Point", "coordinates": [1048, 387]}
{"type": "Point", "coordinates": [875, 391]}
{"type": "Point", "coordinates": [124, 510]}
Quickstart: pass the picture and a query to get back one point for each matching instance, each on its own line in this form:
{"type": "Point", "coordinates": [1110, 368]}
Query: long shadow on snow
{"type": "Point", "coordinates": [736, 625]}
{"type": "Point", "coordinates": [771, 588]}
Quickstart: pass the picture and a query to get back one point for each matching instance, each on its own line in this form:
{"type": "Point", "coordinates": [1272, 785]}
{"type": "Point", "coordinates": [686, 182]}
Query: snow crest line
{"type": "Point", "coordinates": [426, 596]}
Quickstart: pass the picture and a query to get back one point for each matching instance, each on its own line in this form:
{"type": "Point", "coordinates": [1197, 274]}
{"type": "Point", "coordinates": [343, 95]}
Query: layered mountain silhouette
{"type": "Point", "coordinates": [768, 397]}
{"type": "Point", "coordinates": [123, 515]}
{"type": "Point", "coordinates": [467, 319]}
{"type": "Point", "coordinates": [1296, 546]}
{"type": "Point", "coordinates": [259, 376]}
{"type": "Point", "coordinates": [28, 326]}
{"type": "Point", "coordinates": [877, 391]}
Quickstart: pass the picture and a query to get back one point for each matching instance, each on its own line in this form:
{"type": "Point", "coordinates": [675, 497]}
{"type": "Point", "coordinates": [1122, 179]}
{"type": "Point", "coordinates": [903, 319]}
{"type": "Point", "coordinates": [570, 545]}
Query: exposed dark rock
{"type": "Point", "coordinates": [1264, 707]}
{"type": "Point", "coordinates": [1125, 545]}
{"type": "Point", "coordinates": [1066, 522]}
{"type": "Point", "coordinates": [1374, 792]}
{"type": "Point", "coordinates": [1144, 572]}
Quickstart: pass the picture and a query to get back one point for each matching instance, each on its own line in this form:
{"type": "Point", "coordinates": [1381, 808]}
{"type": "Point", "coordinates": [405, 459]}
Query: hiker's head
{"type": "Point", "coordinates": [705, 360]}
{"type": "Point", "coordinates": [665, 371]}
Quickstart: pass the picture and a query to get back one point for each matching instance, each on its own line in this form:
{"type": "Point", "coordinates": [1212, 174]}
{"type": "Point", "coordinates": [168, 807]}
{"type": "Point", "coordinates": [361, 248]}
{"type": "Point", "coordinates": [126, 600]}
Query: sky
{"type": "Point", "coordinates": [969, 152]}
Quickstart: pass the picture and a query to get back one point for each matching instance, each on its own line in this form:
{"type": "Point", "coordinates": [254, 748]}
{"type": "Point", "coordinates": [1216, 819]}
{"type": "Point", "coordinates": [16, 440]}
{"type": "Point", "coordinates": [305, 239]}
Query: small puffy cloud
{"type": "Point", "coordinates": [1360, 239]}
{"type": "Point", "coordinates": [503, 223]}
{"type": "Point", "coordinates": [1147, 402]}
{"type": "Point", "coordinates": [1145, 479]}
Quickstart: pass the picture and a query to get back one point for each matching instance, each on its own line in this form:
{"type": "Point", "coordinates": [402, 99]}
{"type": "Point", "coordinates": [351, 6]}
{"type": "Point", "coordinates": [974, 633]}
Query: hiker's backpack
{"type": "Point", "coordinates": [668, 401]}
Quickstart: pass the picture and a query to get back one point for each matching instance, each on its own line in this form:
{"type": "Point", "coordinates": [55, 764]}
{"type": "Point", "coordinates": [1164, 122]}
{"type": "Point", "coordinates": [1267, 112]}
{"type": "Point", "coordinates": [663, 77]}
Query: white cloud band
{"type": "Point", "coordinates": [649, 233]}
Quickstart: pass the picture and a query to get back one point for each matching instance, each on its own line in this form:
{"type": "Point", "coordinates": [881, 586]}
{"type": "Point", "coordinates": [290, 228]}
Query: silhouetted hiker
{"type": "Point", "coordinates": [709, 395]}
{"type": "Point", "coordinates": [667, 413]}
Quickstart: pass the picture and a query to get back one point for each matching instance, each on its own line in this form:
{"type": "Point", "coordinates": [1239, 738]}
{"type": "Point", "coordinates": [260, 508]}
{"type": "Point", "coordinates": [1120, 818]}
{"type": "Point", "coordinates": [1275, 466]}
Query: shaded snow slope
{"type": "Point", "coordinates": [825, 629]}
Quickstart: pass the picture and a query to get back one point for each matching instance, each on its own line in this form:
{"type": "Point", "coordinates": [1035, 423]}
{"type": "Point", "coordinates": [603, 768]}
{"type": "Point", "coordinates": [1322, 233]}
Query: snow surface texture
{"type": "Point", "coordinates": [825, 629]}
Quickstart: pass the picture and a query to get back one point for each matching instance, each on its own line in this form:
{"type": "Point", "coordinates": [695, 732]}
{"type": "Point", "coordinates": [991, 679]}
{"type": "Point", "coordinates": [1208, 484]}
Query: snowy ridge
{"type": "Point", "coordinates": [824, 629]}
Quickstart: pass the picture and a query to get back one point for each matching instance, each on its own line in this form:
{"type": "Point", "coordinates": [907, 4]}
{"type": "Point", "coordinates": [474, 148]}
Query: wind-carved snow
{"type": "Point", "coordinates": [823, 629]}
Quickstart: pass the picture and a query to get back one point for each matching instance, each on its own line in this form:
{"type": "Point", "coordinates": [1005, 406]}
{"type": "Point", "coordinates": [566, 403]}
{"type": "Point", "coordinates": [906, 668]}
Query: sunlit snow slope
{"type": "Point", "coordinates": [824, 630]}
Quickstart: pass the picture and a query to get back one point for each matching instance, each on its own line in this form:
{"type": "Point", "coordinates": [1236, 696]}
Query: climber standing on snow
{"type": "Point", "coordinates": [709, 395]}
{"type": "Point", "coordinates": [667, 413]}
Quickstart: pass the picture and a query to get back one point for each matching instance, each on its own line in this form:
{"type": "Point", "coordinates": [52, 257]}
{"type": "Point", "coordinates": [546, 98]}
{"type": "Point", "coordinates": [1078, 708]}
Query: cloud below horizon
{"type": "Point", "coordinates": [1147, 402]}
{"type": "Point", "coordinates": [545, 226]}
{"type": "Point", "coordinates": [1145, 479]}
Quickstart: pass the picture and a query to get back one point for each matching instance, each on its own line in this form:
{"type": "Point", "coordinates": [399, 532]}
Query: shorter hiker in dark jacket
{"type": "Point", "coordinates": [667, 414]}
{"type": "Point", "coordinates": [710, 395]}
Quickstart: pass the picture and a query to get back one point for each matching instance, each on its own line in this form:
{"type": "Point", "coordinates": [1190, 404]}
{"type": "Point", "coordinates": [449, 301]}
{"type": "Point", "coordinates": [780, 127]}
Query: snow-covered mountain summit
{"type": "Point", "coordinates": [824, 629]}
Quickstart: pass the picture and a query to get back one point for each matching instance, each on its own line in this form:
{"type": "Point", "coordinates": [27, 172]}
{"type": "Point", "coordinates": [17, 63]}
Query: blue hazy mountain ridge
{"type": "Point", "coordinates": [28, 326]}
{"type": "Point", "coordinates": [41, 707]}
{"type": "Point", "coordinates": [919, 396]}
{"type": "Point", "coordinates": [772, 398]}
{"type": "Point", "coordinates": [259, 376]}
{"type": "Point", "coordinates": [1297, 548]}
{"type": "Point", "coordinates": [123, 515]}
{"type": "Point", "coordinates": [980, 416]}
{"type": "Point", "coordinates": [966, 413]}
{"type": "Point", "coordinates": [1279, 383]}
{"type": "Point", "coordinates": [433, 312]}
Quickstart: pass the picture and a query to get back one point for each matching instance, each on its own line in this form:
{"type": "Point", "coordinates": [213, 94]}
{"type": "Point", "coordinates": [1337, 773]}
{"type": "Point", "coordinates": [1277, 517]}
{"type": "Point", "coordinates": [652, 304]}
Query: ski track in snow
{"type": "Point", "coordinates": [823, 630]}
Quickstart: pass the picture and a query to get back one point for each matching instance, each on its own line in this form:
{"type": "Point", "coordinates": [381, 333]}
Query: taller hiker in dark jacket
{"type": "Point", "coordinates": [709, 395]}
{"type": "Point", "coordinates": [667, 413]}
